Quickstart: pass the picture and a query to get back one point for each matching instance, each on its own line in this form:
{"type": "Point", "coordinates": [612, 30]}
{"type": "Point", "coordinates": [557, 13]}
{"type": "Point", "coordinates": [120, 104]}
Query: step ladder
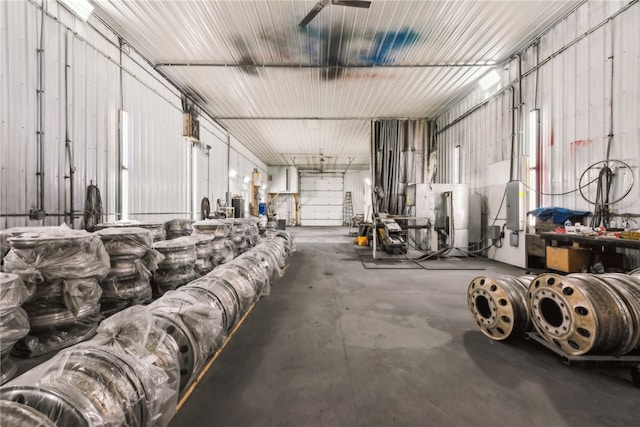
{"type": "Point", "coordinates": [347, 210]}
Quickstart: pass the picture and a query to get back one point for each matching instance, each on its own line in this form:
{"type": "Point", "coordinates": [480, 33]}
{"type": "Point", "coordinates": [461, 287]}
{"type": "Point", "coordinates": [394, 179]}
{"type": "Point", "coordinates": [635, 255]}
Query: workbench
{"type": "Point", "coordinates": [602, 249]}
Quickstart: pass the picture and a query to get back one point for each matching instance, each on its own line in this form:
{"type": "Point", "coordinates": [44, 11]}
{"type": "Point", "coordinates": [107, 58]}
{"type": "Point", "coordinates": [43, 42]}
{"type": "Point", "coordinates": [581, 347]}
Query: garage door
{"type": "Point", "coordinates": [321, 199]}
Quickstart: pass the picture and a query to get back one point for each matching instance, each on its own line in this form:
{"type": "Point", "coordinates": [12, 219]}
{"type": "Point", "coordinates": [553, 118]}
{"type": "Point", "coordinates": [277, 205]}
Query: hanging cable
{"type": "Point", "coordinates": [92, 208]}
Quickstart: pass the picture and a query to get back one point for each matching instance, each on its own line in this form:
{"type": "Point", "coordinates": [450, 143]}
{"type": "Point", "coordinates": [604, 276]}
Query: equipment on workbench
{"type": "Point", "coordinates": [392, 239]}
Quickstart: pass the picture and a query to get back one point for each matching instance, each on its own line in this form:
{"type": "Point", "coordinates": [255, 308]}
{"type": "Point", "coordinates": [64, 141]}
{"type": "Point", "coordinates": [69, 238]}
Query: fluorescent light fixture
{"type": "Point", "coordinates": [456, 164]}
{"type": "Point", "coordinates": [367, 181]}
{"type": "Point", "coordinates": [125, 143]}
{"type": "Point", "coordinates": [233, 173]}
{"type": "Point", "coordinates": [81, 8]}
{"type": "Point", "coordinates": [534, 144]}
{"type": "Point", "coordinates": [246, 179]}
{"type": "Point", "coordinates": [489, 80]}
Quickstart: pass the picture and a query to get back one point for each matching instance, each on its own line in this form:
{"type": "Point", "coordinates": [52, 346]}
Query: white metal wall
{"type": "Point", "coordinates": [572, 89]}
{"type": "Point", "coordinates": [86, 71]}
{"type": "Point", "coordinates": [354, 181]}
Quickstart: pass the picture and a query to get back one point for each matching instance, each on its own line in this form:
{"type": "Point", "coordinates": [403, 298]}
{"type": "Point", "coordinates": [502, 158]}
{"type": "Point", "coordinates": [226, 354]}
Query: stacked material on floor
{"type": "Point", "coordinates": [595, 314]}
{"type": "Point", "coordinates": [222, 247]}
{"type": "Point", "coordinates": [14, 324]}
{"type": "Point", "coordinates": [498, 305]}
{"type": "Point", "coordinates": [251, 231]}
{"type": "Point", "coordinates": [133, 262]}
{"type": "Point", "coordinates": [178, 266]}
{"type": "Point", "coordinates": [587, 313]}
{"type": "Point", "coordinates": [178, 228]}
{"type": "Point", "coordinates": [141, 359]}
{"type": "Point", "coordinates": [4, 246]}
{"type": "Point", "coordinates": [156, 228]}
{"type": "Point", "coordinates": [204, 253]}
{"type": "Point", "coordinates": [63, 267]}
{"type": "Point", "coordinates": [194, 318]}
{"type": "Point", "coordinates": [128, 374]}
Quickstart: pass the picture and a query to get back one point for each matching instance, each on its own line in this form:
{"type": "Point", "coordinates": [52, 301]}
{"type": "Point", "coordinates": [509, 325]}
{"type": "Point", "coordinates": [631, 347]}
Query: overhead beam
{"type": "Point", "coordinates": [320, 66]}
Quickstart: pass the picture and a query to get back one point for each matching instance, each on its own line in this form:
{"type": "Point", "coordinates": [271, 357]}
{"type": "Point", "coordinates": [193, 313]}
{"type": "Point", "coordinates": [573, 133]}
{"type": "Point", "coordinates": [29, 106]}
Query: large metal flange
{"type": "Point", "coordinates": [578, 313]}
{"type": "Point", "coordinates": [498, 306]}
{"type": "Point", "coordinates": [628, 289]}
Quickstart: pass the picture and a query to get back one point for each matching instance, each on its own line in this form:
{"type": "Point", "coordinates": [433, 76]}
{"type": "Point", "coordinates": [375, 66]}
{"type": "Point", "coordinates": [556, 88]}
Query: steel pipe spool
{"type": "Point", "coordinates": [176, 228]}
{"type": "Point", "coordinates": [223, 251]}
{"type": "Point", "coordinates": [156, 228]}
{"type": "Point", "coordinates": [215, 227]}
{"type": "Point", "coordinates": [258, 274]}
{"type": "Point", "coordinates": [15, 414]}
{"type": "Point", "coordinates": [178, 252]}
{"type": "Point", "coordinates": [263, 256]}
{"type": "Point", "coordinates": [628, 288]}
{"type": "Point", "coordinates": [278, 248]}
{"type": "Point", "coordinates": [187, 357]}
{"type": "Point", "coordinates": [498, 305]}
{"type": "Point", "coordinates": [209, 333]}
{"type": "Point", "coordinates": [52, 403]}
{"type": "Point", "coordinates": [241, 284]}
{"type": "Point", "coordinates": [132, 336]}
{"type": "Point", "coordinates": [226, 294]}
{"type": "Point", "coordinates": [168, 280]}
{"type": "Point", "coordinates": [44, 320]}
{"type": "Point", "coordinates": [48, 256]}
{"type": "Point", "coordinates": [36, 344]}
{"type": "Point", "coordinates": [289, 242]}
{"type": "Point", "coordinates": [136, 290]}
{"type": "Point", "coordinates": [8, 368]}
{"type": "Point", "coordinates": [126, 242]}
{"type": "Point", "coordinates": [580, 314]}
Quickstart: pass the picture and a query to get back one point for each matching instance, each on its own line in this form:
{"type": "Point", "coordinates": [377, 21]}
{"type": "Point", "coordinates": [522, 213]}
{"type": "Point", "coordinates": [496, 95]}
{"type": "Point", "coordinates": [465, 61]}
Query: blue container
{"type": "Point", "coordinates": [262, 209]}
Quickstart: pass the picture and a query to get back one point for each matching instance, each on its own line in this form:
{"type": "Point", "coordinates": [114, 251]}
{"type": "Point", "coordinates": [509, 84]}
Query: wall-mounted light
{"type": "Point", "coordinates": [456, 164]}
{"type": "Point", "coordinates": [264, 186]}
{"type": "Point", "coordinates": [81, 8]}
{"type": "Point", "coordinates": [489, 80]}
{"type": "Point", "coordinates": [233, 173]}
{"type": "Point", "coordinates": [246, 179]}
{"type": "Point", "coordinates": [125, 142]}
{"type": "Point", "coordinates": [367, 181]}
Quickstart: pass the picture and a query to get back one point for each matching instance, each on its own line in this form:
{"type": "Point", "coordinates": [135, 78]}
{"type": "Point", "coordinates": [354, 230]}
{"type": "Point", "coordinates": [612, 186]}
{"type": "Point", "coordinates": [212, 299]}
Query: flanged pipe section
{"type": "Point", "coordinates": [498, 305]}
{"type": "Point", "coordinates": [580, 314]}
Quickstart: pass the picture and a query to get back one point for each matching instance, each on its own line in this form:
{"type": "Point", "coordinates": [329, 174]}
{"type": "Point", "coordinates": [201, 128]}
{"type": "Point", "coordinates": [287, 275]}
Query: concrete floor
{"type": "Point", "coordinates": [336, 344]}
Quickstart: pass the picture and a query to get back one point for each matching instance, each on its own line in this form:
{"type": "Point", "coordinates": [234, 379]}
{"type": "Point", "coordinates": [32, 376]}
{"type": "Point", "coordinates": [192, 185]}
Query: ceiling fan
{"type": "Point", "coordinates": [322, 3]}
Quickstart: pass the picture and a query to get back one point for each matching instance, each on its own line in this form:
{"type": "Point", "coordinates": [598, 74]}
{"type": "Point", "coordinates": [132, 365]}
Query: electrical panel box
{"type": "Point", "coordinates": [515, 205]}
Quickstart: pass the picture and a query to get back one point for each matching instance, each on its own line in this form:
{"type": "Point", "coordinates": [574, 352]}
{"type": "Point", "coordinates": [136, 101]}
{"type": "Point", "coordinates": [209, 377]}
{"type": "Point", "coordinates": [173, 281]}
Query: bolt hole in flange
{"type": "Point", "coordinates": [573, 344]}
{"type": "Point", "coordinates": [551, 312]}
{"type": "Point", "coordinates": [567, 291]}
{"type": "Point", "coordinates": [500, 330]}
{"type": "Point", "coordinates": [493, 288]}
{"type": "Point", "coordinates": [583, 332]}
{"type": "Point", "coordinates": [482, 304]}
{"type": "Point", "coordinates": [502, 302]}
{"type": "Point", "coordinates": [551, 281]}
{"type": "Point", "coordinates": [582, 311]}
{"type": "Point", "coordinates": [505, 319]}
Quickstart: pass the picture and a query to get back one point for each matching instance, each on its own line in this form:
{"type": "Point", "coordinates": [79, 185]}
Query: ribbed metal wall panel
{"type": "Point", "coordinates": [160, 159]}
{"type": "Point", "coordinates": [572, 89]}
{"type": "Point", "coordinates": [354, 181]}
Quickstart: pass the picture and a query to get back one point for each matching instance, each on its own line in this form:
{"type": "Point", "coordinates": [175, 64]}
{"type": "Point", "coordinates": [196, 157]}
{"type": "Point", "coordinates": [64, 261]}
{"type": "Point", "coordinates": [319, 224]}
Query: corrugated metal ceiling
{"type": "Point", "coordinates": [288, 92]}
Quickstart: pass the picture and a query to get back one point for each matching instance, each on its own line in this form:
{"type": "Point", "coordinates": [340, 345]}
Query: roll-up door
{"type": "Point", "coordinates": [321, 199]}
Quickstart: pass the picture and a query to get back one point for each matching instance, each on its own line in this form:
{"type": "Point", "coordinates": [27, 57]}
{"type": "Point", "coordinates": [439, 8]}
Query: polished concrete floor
{"type": "Point", "coordinates": [336, 344]}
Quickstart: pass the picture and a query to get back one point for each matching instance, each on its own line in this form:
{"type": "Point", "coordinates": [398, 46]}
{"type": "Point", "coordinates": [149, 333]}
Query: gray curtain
{"type": "Point", "coordinates": [397, 158]}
